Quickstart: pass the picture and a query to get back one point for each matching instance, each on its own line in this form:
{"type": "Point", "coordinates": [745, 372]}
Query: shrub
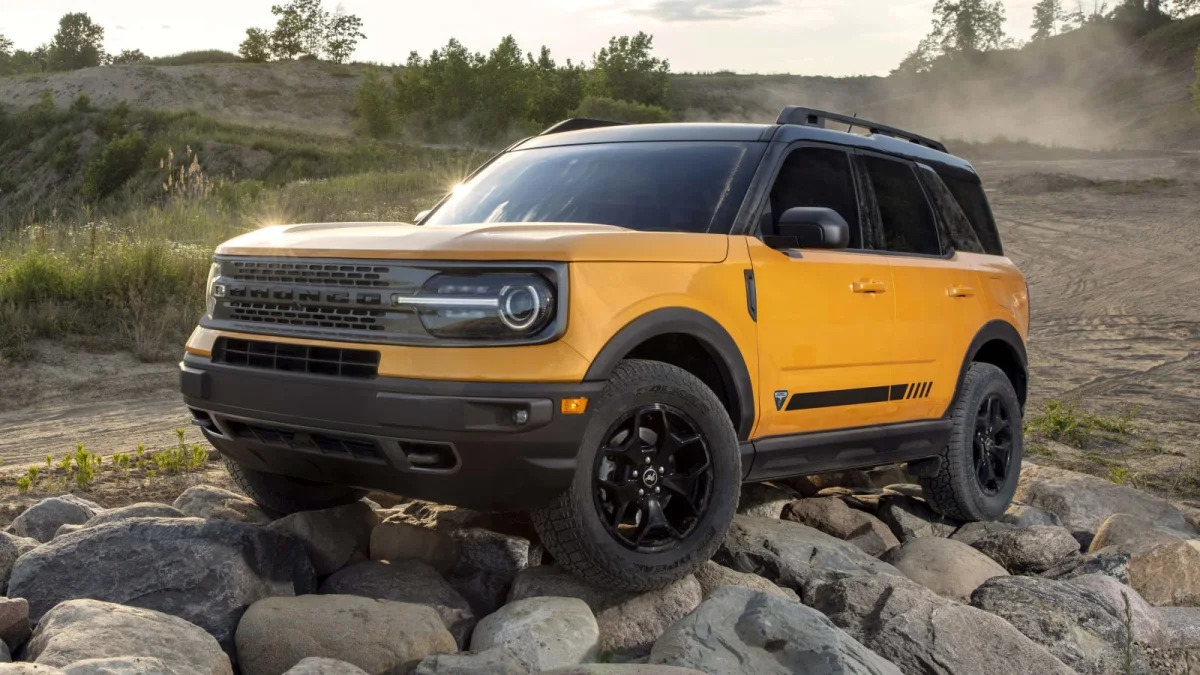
{"type": "Point", "coordinates": [256, 48]}
{"type": "Point", "coordinates": [195, 57]}
{"type": "Point", "coordinates": [599, 107]}
{"type": "Point", "coordinates": [116, 162]}
{"type": "Point", "coordinates": [372, 106]}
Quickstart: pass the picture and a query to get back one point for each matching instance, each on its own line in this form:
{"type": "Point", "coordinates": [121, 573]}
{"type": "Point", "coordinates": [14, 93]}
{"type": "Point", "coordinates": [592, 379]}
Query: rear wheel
{"type": "Point", "coordinates": [656, 482]}
{"type": "Point", "coordinates": [282, 495]}
{"type": "Point", "coordinates": [981, 464]}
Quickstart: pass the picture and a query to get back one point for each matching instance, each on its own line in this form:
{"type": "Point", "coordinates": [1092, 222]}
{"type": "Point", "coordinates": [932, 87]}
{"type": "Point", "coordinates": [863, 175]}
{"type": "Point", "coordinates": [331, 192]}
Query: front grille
{"type": "Point", "coordinates": [309, 273]}
{"type": "Point", "coordinates": [356, 363]}
{"type": "Point", "coordinates": [342, 318]}
{"type": "Point", "coordinates": [349, 447]}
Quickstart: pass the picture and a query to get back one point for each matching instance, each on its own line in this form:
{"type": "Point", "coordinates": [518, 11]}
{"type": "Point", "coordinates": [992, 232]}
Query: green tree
{"type": "Point", "coordinates": [1046, 16]}
{"type": "Point", "coordinates": [300, 29]}
{"type": "Point", "coordinates": [256, 48]}
{"type": "Point", "coordinates": [557, 90]}
{"type": "Point", "coordinates": [77, 44]}
{"type": "Point", "coordinates": [968, 26]}
{"type": "Point", "coordinates": [342, 34]}
{"type": "Point", "coordinates": [129, 57]}
{"type": "Point", "coordinates": [625, 70]}
{"type": "Point", "coordinates": [6, 46]}
{"type": "Point", "coordinates": [372, 106]}
{"type": "Point", "coordinates": [919, 60]}
{"type": "Point", "coordinates": [505, 82]}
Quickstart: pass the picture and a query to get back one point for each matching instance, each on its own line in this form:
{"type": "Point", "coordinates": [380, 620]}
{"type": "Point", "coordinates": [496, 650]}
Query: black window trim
{"type": "Point", "coordinates": [944, 243]}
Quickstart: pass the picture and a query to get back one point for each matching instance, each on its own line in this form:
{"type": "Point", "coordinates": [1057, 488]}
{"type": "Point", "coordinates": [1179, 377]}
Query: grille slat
{"type": "Point", "coordinates": [308, 441]}
{"type": "Point", "coordinates": [305, 273]}
{"type": "Point", "coordinates": [334, 361]}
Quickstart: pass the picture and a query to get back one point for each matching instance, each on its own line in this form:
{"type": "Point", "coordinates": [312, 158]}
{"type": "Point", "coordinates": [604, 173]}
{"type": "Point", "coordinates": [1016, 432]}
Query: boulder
{"type": "Point", "coordinates": [1168, 574]}
{"type": "Point", "coordinates": [28, 669]}
{"type": "Point", "coordinates": [139, 510]}
{"type": "Point", "coordinates": [868, 478]}
{"type": "Point", "coordinates": [790, 554]}
{"type": "Point", "coordinates": [629, 622]}
{"type": "Point", "coordinates": [1181, 627]}
{"type": "Point", "coordinates": [206, 501]}
{"type": "Point", "coordinates": [906, 489]}
{"type": "Point", "coordinates": [541, 633]}
{"type": "Point", "coordinates": [832, 516]}
{"type": "Point", "coordinates": [204, 571]}
{"type": "Point", "coordinates": [333, 537]}
{"type": "Point", "coordinates": [969, 533]}
{"type": "Point", "coordinates": [922, 632]}
{"type": "Point", "coordinates": [1072, 622]}
{"type": "Point", "coordinates": [712, 576]}
{"type": "Point", "coordinates": [67, 528]}
{"type": "Point", "coordinates": [316, 665]}
{"type": "Point", "coordinates": [120, 665]}
{"type": "Point", "coordinates": [397, 540]}
{"type": "Point", "coordinates": [1029, 550]}
{"type": "Point", "coordinates": [947, 567]}
{"type": "Point", "coordinates": [486, 565]}
{"type": "Point", "coordinates": [1113, 563]}
{"type": "Point", "coordinates": [764, 500]}
{"type": "Point", "coordinates": [911, 518]}
{"type": "Point", "coordinates": [494, 661]}
{"type": "Point", "coordinates": [1123, 532]}
{"type": "Point", "coordinates": [1149, 627]}
{"type": "Point", "coordinates": [621, 669]}
{"type": "Point", "coordinates": [379, 636]}
{"type": "Point", "coordinates": [1023, 515]}
{"type": "Point", "coordinates": [88, 629]}
{"type": "Point", "coordinates": [405, 581]}
{"type": "Point", "coordinates": [43, 519]}
{"type": "Point", "coordinates": [1084, 502]}
{"type": "Point", "coordinates": [14, 622]}
{"type": "Point", "coordinates": [738, 630]}
{"type": "Point", "coordinates": [11, 548]}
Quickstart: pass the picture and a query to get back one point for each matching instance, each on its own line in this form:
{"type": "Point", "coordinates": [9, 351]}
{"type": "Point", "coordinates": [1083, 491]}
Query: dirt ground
{"type": "Point", "coordinates": [1111, 248]}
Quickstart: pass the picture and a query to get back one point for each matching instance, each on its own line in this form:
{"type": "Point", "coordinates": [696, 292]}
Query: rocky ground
{"type": "Point", "coordinates": [830, 574]}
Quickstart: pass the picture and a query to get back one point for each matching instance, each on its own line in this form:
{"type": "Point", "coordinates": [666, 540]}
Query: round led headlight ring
{"type": "Point", "coordinates": [522, 306]}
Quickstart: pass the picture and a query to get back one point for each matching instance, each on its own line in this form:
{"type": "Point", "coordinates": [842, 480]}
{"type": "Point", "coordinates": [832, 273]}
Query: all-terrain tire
{"type": "Point", "coordinates": [956, 491]}
{"type": "Point", "coordinates": [282, 495]}
{"type": "Point", "coordinates": [570, 526]}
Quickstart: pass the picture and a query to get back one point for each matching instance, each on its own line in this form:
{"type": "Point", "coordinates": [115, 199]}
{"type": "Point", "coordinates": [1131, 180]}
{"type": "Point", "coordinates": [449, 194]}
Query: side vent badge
{"type": "Point", "coordinates": [780, 398]}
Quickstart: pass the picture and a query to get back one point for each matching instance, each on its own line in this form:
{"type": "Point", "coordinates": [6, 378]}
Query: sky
{"type": "Point", "coordinates": [808, 37]}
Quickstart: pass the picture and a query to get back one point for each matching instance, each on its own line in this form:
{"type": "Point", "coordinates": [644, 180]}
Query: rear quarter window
{"type": "Point", "coordinates": [968, 192]}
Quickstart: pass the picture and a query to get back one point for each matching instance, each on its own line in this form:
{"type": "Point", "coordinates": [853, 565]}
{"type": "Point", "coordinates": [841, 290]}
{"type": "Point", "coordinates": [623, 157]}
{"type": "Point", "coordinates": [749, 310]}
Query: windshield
{"type": "Point", "coordinates": [671, 186]}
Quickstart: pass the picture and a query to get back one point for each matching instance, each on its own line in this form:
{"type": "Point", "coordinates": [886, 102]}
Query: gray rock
{"type": "Point", "coordinates": [494, 661]}
{"type": "Point", "coordinates": [712, 576]}
{"type": "Point", "coordinates": [43, 519]}
{"type": "Point", "coordinates": [88, 629]}
{"type": "Point", "coordinates": [1123, 532]}
{"type": "Point", "coordinates": [947, 567]}
{"type": "Point", "coordinates": [969, 533]}
{"type": "Point", "coordinates": [738, 630]}
{"type": "Point", "coordinates": [333, 537]}
{"type": "Point", "coordinates": [1113, 563]}
{"type": "Point", "coordinates": [1023, 515]}
{"type": "Point", "coordinates": [486, 565]}
{"type": "Point", "coordinates": [206, 501]}
{"type": "Point", "coordinates": [316, 665]}
{"type": "Point", "coordinates": [1181, 627]}
{"type": "Point", "coordinates": [5, 654]}
{"type": "Point", "coordinates": [66, 528]}
{"type": "Point", "coordinates": [1084, 502]}
{"type": "Point", "coordinates": [14, 622]}
{"type": "Point", "coordinates": [1168, 574]}
{"type": "Point", "coordinates": [120, 665]}
{"type": "Point", "coordinates": [1029, 550]}
{"type": "Point", "coordinates": [629, 622]}
{"type": "Point", "coordinates": [906, 489]}
{"type": "Point", "coordinates": [1072, 622]}
{"type": "Point", "coordinates": [204, 571]}
{"type": "Point", "coordinates": [791, 554]}
{"type": "Point", "coordinates": [1149, 627]}
{"type": "Point", "coordinates": [764, 500]}
{"type": "Point", "coordinates": [28, 669]}
{"type": "Point", "coordinates": [405, 581]}
{"type": "Point", "coordinates": [834, 517]}
{"type": "Point", "coordinates": [394, 540]}
{"type": "Point", "coordinates": [11, 548]}
{"type": "Point", "coordinates": [878, 477]}
{"type": "Point", "coordinates": [379, 636]}
{"type": "Point", "coordinates": [139, 510]}
{"type": "Point", "coordinates": [911, 518]}
{"type": "Point", "coordinates": [621, 669]}
{"type": "Point", "coordinates": [922, 632]}
{"type": "Point", "coordinates": [541, 633]}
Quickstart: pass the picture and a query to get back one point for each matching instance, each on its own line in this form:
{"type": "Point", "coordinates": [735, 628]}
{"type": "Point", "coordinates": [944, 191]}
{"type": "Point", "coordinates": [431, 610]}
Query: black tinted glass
{"type": "Point", "coordinates": [816, 177]}
{"type": "Point", "coordinates": [962, 235]}
{"type": "Point", "coordinates": [673, 187]}
{"type": "Point", "coordinates": [908, 225]}
{"type": "Point", "coordinates": [971, 198]}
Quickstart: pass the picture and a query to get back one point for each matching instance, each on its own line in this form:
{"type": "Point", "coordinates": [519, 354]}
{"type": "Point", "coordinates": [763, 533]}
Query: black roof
{"type": "Point", "coordinates": [787, 133]}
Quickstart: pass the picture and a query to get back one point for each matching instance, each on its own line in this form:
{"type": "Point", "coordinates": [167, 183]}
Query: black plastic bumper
{"type": "Point", "coordinates": [475, 444]}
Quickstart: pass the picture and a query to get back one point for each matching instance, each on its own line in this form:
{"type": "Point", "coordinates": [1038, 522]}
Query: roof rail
{"type": "Point", "coordinates": [577, 123]}
{"type": "Point", "coordinates": [817, 118]}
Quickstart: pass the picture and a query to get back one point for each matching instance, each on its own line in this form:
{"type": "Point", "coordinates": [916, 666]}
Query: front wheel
{"type": "Point", "coordinates": [981, 464]}
{"type": "Point", "coordinates": [656, 482]}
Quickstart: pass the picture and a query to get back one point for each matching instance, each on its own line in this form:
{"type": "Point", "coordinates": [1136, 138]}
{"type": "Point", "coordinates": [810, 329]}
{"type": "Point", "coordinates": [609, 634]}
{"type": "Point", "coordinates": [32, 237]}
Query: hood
{"type": "Point", "coordinates": [565, 242]}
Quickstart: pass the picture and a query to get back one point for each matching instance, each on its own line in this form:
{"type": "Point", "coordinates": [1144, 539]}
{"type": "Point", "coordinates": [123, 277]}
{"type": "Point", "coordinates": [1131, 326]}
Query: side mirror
{"type": "Point", "coordinates": [810, 227]}
{"type": "Point", "coordinates": [421, 216]}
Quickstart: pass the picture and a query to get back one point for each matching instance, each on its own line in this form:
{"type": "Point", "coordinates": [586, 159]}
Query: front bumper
{"type": "Point", "coordinates": [451, 442]}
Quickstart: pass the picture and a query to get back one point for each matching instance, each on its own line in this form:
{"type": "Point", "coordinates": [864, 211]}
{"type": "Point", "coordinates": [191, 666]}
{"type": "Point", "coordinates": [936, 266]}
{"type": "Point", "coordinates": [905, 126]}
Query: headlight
{"type": "Point", "coordinates": [483, 305]}
{"type": "Point", "coordinates": [210, 289]}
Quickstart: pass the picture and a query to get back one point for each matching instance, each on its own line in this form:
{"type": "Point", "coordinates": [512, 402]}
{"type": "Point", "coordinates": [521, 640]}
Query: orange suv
{"type": "Point", "coordinates": [615, 326]}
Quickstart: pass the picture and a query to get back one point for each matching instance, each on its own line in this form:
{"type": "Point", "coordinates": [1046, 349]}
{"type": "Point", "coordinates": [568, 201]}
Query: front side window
{"type": "Point", "coordinates": [668, 186]}
{"type": "Point", "coordinates": [904, 212]}
{"type": "Point", "coordinates": [815, 177]}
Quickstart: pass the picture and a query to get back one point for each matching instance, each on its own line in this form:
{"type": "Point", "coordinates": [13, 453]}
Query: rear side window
{"type": "Point", "coordinates": [973, 201]}
{"type": "Point", "coordinates": [816, 177]}
{"type": "Point", "coordinates": [962, 235]}
{"type": "Point", "coordinates": [904, 212]}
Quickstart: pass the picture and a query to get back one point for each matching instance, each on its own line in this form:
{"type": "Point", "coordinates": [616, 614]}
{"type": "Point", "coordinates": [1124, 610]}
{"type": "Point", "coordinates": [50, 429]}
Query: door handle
{"type": "Point", "coordinates": [867, 286]}
{"type": "Point", "coordinates": [960, 291]}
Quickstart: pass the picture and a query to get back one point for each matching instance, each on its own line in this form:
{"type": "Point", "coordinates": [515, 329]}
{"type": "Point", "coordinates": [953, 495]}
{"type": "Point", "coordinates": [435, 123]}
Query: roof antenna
{"type": "Point", "coordinates": [850, 127]}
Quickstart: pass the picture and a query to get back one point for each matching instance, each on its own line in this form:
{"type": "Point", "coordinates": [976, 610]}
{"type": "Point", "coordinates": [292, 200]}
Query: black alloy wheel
{"type": "Point", "coordinates": [992, 444]}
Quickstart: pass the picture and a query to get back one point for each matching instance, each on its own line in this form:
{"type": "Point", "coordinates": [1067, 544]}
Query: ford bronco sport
{"type": "Point", "coordinates": [615, 326]}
